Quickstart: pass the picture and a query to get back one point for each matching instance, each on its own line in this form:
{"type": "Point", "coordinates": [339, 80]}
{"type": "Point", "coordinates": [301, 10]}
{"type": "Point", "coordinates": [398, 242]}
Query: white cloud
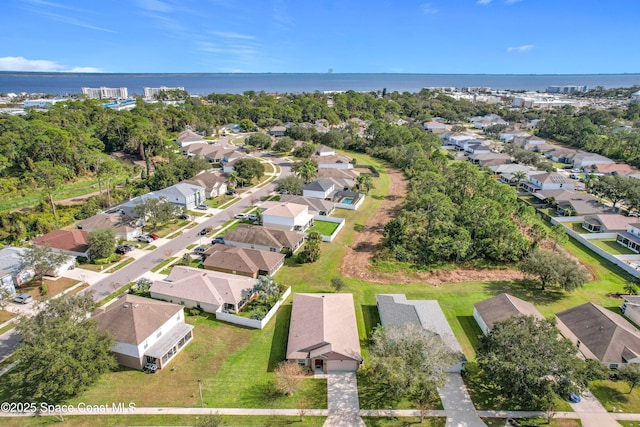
{"type": "Point", "coordinates": [154, 5]}
{"type": "Point", "coordinates": [484, 2]}
{"type": "Point", "coordinates": [523, 48]}
{"type": "Point", "coordinates": [428, 9]}
{"type": "Point", "coordinates": [231, 35]}
{"type": "Point", "coordinates": [19, 63]}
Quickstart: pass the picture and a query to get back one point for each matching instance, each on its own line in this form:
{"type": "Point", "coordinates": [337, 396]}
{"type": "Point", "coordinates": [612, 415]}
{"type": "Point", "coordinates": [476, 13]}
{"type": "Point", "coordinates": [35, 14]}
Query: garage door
{"type": "Point", "coordinates": [342, 366]}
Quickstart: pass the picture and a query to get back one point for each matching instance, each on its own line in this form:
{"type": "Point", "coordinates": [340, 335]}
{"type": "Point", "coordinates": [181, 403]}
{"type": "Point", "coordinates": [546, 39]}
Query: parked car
{"type": "Point", "coordinates": [183, 216]}
{"type": "Point", "coordinates": [200, 250]}
{"type": "Point", "coordinates": [219, 239]}
{"type": "Point", "coordinates": [573, 176]}
{"type": "Point", "coordinates": [22, 298]}
{"type": "Point", "coordinates": [252, 217]}
{"type": "Point", "coordinates": [123, 249]}
{"type": "Point", "coordinates": [202, 207]}
{"type": "Point", "coordinates": [205, 231]}
{"type": "Point", "coordinates": [240, 216]}
{"type": "Point", "coordinates": [145, 239]}
{"type": "Point", "coordinates": [154, 236]}
{"type": "Point", "coordinates": [231, 192]}
{"type": "Point", "coordinates": [574, 398]}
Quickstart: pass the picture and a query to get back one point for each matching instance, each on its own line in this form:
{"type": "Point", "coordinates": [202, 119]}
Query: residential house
{"type": "Point", "coordinates": [457, 138]}
{"type": "Point", "coordinates": [70, 242]}
{"type": "Point", "coordinates": [230, 128]}
{"type": "Point", "coordinates": [213, 182]}
{"type": "Point", "coordinates": [635, 97]}
{"type": "Point", "coordinates": [561, 155]}
{"type": "Point", "coordinates": [562, 195]}
{"type": "Point", "coordinates": [6, 284]}
{"type": "Point", "coordinates": [11, 262]}
{"type": "Point", "coordinates": [631, 237]}
{"type": "Point", "coordinates": [620, 169]}
{"type": "Point", "coordinates": [601, 334]}
{"type": "Point", "coordinates": [499, 308]}
{"type": "Point", "coordinates": [548, 181]}
{"type": "Point", "coordinates": [316, 206]}
{"type": "Point", "coordinates": [144, 330]}
{"type": "Point", "coordinates": [348, 175]}
{"type": "Point", "coordinates": [435, 127]}
{"type": "Point", "coordinates": [288, 216]}
{"type": "Point", "coordinates": [323, 150]}
{"type": "Point", "coordinates": [507, 172]}
{"type": "Point", "coordinates": [528, 142]}
{"type": "Point", "coordinates": [276, 131]}
{"type": "Point", "coordinates": [212, 153]}
{"type": "Point", "coordinates": [125, 227]}
{"type": "Point", "coordinates": [332, 161]}
{"type": "Point", "coordinates": [489, 121]}
{"type": "Point", "coordinates": [188, 137]}
{"type": "Point", "coordinates": [510, 135]}
{"type": "Point", "coordinates": [242, 261]}
{"type": "Point", "coordinates": [210, 291]}
{"type": "Point", "coordinates": [582, 208]}
{"type": "Point", "coordinates": [320, 189]}
{"type": "Point", "coordinates": [490, 159]}
{"type": "Point", "coordinates": [264, 238]}
{"type": "Point", "coordinates": [584, 160]}
{"type": "Point", "coordinates": [396, 311]}
{"type": "Point", "coordinates": [631, 307]}
{"type": "Point", "coordinates": [607, 223]}
{"type": "Point", "coordinates": [323, 333]}
{"type": "Point", "coordinates": [230, 158]}
{"type": "Point", "coordinates": [184, 195]}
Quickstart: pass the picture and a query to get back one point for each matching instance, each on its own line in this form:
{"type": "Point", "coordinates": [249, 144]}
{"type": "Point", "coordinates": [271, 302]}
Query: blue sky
{"type": "Point", "coordinates": [348, 36]}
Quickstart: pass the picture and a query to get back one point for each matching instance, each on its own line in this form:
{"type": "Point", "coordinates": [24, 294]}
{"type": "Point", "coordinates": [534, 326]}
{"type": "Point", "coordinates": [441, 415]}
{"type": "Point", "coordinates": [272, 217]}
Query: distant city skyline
{"type": "Point", "coordinates": [345, 36]}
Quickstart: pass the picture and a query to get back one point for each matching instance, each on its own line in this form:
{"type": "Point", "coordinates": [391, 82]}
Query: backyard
{"type": "Point", "coordinates": [325, 228]}
{"type": "Point", "coordinates": [612, 247]}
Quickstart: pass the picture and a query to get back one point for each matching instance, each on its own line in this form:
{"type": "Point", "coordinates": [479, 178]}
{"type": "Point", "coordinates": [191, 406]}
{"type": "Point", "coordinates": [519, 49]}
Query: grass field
{"type": "Point", "coordinates": [325, 228]}
{"type": "Point", "coordinates": [616, 394]}
{"type": "Point", "coordinates": [612, 247]}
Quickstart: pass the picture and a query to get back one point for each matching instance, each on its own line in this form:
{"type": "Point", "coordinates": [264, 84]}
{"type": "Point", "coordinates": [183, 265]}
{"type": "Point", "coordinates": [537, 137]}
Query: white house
{"type": "Point", "coordinates": [584, 160]}
{"type": "Point", "coordinates": [185, 195]}
{"type": "Point", "coordinates": [631, 308]}
{"type": "Point", "coordinates": [211, 291]}
{"type": "Point", "coordinates": [125, 227]}
{"type": "Point", "coordinates": [144, 330]}
{"type": "Point", "coordinates": [11, 263]}
{"type": "Point", "coordinates": [631, 237]}
{"type": "Point", "coordinates": [548, 181]}
{"type": "Point", "coordinates": [433, 126]}
{"type": "Point", "coordinates": [213, 182]}
{"type": "Point", "coordinates": [189, 137]}
{"type": "Point", "coordinates": [230, 158]}
{"type": "Point", "coordinates": [320, 189]}
{"type": "Point", "coordinates": [332, 161]}
{"type": "Point", "coordinates": [289, 216]}
{"type": "Point", "coordinates": [323, 150]}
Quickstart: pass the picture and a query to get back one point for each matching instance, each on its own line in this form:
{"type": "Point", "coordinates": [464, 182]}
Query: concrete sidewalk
{"type": "Point", "coordinates": [342, 397]}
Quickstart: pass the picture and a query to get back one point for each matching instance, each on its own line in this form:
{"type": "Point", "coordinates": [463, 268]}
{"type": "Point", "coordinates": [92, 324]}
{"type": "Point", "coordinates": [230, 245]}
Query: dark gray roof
{"type": "Point", "coordinates": [320, 185]}
{"type": "Point", "coordinates": [503, 306]}
{"type": "Point", "coordinates": [609, 336]}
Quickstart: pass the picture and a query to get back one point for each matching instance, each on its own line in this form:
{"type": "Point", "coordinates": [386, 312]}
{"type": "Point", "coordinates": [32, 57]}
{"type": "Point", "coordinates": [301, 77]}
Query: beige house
{"type": "Point", "coordinates": [242, 261]}
{"type": "Point", "coordinates": [601, 334]}
{"type": "Point", "coordinates": [212, 153]}
{"type": "Point", "coordinates": [607, 223]}
{"type": "Point", "coordinates": [188, 137]}
{"type": "Point", "coordinates": [214, 183]}
{"type": "Point", "coordinates": [210, 291]}
{"type": "Point", "coordinates": [144, 330]}
{"type": "Point", "coordinates": [125, 227]}
{"type": "Point", "coordinates": [263, 238]}
{"type": "Point", "coordinates": [323, 333]}
{"type": "Point", "coordinates": [499, 308]}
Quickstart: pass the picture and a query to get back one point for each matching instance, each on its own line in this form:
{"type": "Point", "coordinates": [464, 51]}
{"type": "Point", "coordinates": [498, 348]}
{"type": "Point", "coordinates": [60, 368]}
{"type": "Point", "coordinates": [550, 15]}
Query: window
{"type": "Point", "coordinates": [613, 366]}
{"type": "Point", "coordinates": [158, 334]}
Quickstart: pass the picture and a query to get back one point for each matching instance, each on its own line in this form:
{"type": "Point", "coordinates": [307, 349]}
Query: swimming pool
{"type": "Point", "coordinates": [347, 200]}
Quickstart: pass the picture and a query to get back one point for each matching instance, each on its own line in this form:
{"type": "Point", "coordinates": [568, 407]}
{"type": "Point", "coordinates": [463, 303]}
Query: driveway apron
{"type": "Point", "coordinates": [342, 397]}
{"type": "Point", "coordinates": [457, 403]}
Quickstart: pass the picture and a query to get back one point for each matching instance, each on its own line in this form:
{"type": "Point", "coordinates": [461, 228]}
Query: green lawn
{"type": "Point", "coordinates": [325, 228]}
{"type": "Point", "coordinates": [612, 247]}
{"type": "Point", "coordinates": [163, 263]}
{"type": "Point", "coordinates": [235, 366]}
{"type": "Point", "coordinates": [161, 420]}
{"type": "Point", "coordinates": [577, 227]}
{"type": "Point", "coordinates": [616, 394]}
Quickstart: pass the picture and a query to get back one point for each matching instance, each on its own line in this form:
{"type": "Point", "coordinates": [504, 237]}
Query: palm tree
{"type": "Point", "coordinates": [233, 178]}
{"type": "Point", "coordinates": [306, 169]}
{"type": "Point", "coordinates": [519, 176]}
{"type": "Point", "coordinates": [364, 183]}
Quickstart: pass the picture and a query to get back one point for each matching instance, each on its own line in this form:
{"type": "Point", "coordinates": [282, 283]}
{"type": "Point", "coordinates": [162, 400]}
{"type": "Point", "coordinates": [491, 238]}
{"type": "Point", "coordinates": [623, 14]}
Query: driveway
{"type": "Point", "coordinates": [457, 403]}
{"type": "Point", "coordinates": [342, 397]}
{"type": "Point", "coordinates": [592, 413]}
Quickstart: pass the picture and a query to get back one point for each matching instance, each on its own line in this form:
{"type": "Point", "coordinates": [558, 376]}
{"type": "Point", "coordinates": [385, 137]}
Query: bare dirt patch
{"type": "Point", "coordinates": [357, 259]}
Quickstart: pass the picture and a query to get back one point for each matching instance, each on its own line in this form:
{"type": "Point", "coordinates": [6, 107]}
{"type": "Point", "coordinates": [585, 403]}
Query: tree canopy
{"type": "Point", "coordinates": [527, 362]}
{"type": "Point", "coordinates": [61, 352]}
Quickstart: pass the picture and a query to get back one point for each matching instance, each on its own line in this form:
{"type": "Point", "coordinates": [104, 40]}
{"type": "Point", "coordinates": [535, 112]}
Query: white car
{"type": "Point", "coordinates": [240, 216]}
{"type": "Point", "coordinates": [22, 298]}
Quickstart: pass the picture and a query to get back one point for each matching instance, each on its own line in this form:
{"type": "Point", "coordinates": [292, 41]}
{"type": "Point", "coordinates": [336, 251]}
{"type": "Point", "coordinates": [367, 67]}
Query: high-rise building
{"type": "Point", "coordinates": [106, 92]}
{"type": "Point", "coordinates": [152, 92]}
{"type": "Point", "coordinates": [566, 89]}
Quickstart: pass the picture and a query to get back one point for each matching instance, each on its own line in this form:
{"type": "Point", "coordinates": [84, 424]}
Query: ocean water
{"type": "Point", "coordinates": [203, 84]}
